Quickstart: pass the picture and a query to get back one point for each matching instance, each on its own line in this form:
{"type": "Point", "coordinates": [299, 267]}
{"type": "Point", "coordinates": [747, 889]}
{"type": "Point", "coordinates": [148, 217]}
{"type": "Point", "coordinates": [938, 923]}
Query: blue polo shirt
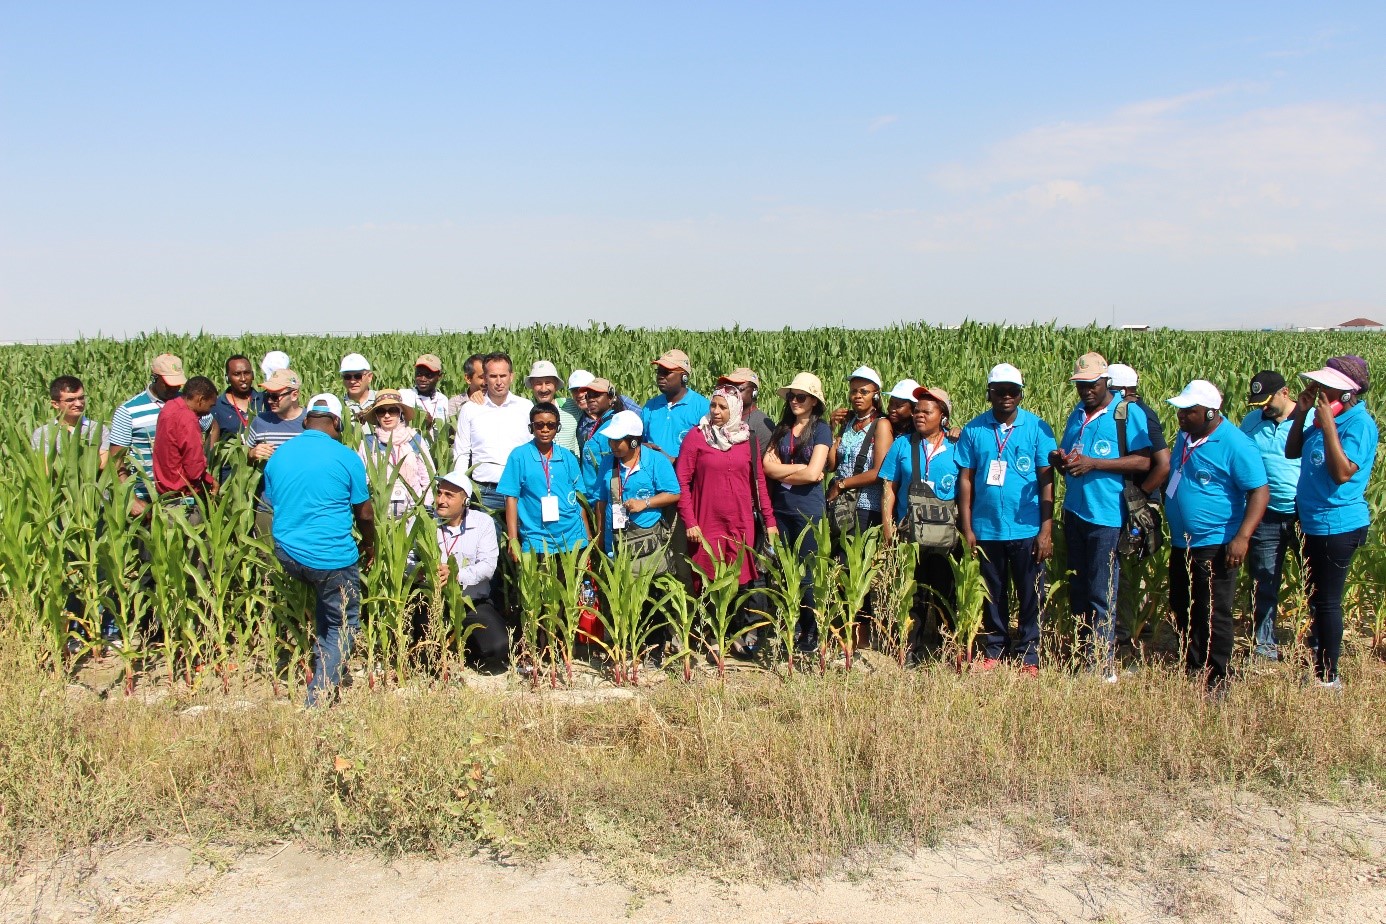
{"type": "Point", "coordinates": [596, 457]}
{"type": "Point", "coordinates": [313, 481]}
{"type": "Point", "coordinates": [666, 424]}
{"type": "Point", "coordinates": [1282, 474]}
{"type": "Point", "coordinates": [652, 475]}
{"type": "Point", "coordinates": [941, 471]}
{"type": "Point", "coordinates": [1210, 499]}
{"type": "Point", "coordinates": [228, 416]}
{"type": "Point", "coordinates": [1011, 510]}
{"type": "Point", "coordinates": [525, 479]}
{"type": "Point", "coordinates": [1327, 508]}
{"type": "Point", "coordinates": [1096, 496]}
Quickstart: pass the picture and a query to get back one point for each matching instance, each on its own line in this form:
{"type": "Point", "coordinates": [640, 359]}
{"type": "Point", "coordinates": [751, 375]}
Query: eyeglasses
{"type": "Point", "coordinates": [797, 396]}
{"type": "Point", "coordinates": [864, 390]}
{"type": "Point", "coordinates": [277, 395]}
{"type": "Point", "coordinates": [353, 376]}
{"type": "Point", "coordinates": [392, 411]}
{"type": "Point", "coordinates": [1005, 391]}
{"type": "Point", "coordinates": [545, 424]}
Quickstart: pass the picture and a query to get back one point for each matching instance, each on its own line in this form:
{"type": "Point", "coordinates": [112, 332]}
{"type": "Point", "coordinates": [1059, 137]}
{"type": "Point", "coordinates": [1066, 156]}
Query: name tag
{"type": "Point", "coordinates": [619, 519]}
{"type": "Point", "coordinates": [1173, 483]}
{"type": "Point", "coordinates": [548, 508]}
{"type": "Point", "coordinates": [996, 472]}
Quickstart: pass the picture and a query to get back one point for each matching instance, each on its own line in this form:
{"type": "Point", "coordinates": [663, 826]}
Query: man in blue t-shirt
{"type": "Point", "coordinates": [669, 415]}
{"type": "Point", "coordinates": [1268, 425]}
{"type": "Point", "coordinates": [318, 490]}
{"type": "Point", "coordinates": [541, 482]}
{"type": "Point", "coordinates": [1095, 473]}
{"type": "Point", "coordinates": [1216, 495]}
{"type": "Point", "coordinates": [1006, 509]}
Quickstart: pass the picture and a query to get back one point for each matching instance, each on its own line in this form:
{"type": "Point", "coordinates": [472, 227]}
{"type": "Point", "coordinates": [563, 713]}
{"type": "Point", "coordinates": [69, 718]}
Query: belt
{"type": "Point", "coordinates": [188, 501]}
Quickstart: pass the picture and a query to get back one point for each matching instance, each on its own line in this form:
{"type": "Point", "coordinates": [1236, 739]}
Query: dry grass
{"type": "Point", "coordinates": [772, 775]}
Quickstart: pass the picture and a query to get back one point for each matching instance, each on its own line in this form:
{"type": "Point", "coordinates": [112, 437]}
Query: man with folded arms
{"type": "Point", "coordinates": [1215, 497]}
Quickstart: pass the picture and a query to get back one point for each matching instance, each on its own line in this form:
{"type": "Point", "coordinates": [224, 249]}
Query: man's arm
{"type": "Point", "coordinates": [964, 506]}
{"type": "Point", "coordinates": [365, 522]}
{"type": "Point", "coordinates": [1159, 472]}
{"type": "Point", "coordinates": [1256, 501]}
{"type": "Point", "coordinates": [1044, 542]}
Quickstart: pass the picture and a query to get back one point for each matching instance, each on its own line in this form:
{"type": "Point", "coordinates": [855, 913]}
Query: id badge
{"type": "Point", "coordinates": [619, 519]}
{"type": "Point", "coordinates": [996, 472]}
{"type": "Point", "coordinates": [548, 508]}
{"type": "Point", "coordinates": [1173, 483]}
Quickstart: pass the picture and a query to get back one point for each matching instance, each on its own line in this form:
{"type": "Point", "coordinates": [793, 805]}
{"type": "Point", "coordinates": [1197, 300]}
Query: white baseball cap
{"type": "Point", "coordinates": [866, 372]}
{"type": "Point", "coordinates": [325, 404]}
{"type": "Point", "coordinates": [355, 362]}
{"type": "Point", "coordinates": [543, 369]}
{"type": "Point", "coordinates": [274, 360]}
{"type": "Point", "coordinates": [622, 425]}
{"type": "Point", "coordinates": [904, 390]}
{"type": "Point", "coordinates": [1198, 393]}
{"type": "Point", "coordinates": [1121, 375]}
{"type": "Point", "coordinates": [1005, 372]}
{"type": "Point", "coordinates": [580, 378]}
{"type": "Point", "coordinates": [458, 477]}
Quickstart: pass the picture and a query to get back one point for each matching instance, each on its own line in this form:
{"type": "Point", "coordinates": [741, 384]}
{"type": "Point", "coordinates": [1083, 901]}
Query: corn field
{"type": "Point", "coordinates": [205, 602]}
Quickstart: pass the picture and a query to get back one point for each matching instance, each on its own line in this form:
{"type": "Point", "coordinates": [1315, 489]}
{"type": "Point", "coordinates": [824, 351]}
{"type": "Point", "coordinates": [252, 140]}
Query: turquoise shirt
{"type": "Point", "coordinates": [313, 482]}
{"type": "Point", "coordinates": [529, 480]}
{"type": "Point", "coordinates": [1327, 508]}
{"type": "Point", "coordinates": [596, 457]}
{"type": "Point", "coordinates": [1011, 510]}
{"type": "Point", "coordinates": [1282, 474]}
{"type": "Point", "coordinates": [941, 471]}
{"type": "Point", "coordinates": [667, 424]}
{"type": "Point", "coordinates": [1210, 484]}
{"type": "Point", "coordinates": [652, 475]}
{"type": "Point", "coordinates": [1096, 496]}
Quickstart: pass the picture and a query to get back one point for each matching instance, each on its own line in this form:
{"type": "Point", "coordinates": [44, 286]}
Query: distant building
{"type": "Point", "coordinates": [1357, 324]}
{"type": "Point", "coordinates": [1135, 327]}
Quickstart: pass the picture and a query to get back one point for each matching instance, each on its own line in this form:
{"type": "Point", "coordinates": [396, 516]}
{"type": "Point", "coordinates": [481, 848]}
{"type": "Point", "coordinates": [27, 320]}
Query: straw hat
{"type": "Point", "coordinates": [806, 382]}
{"type": "Point", "coordinates": [389, 398]}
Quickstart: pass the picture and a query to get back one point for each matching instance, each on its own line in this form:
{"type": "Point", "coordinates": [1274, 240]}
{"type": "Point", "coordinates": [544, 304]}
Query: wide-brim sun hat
{"type": "Point", "coordinates": [389, 398]}
{"type": "Point", "coordinates": [806, 382]}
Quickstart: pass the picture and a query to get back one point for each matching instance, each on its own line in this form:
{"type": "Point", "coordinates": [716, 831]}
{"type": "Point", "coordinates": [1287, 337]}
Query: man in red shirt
{"type": "Point", "coordinates": [180, 457]}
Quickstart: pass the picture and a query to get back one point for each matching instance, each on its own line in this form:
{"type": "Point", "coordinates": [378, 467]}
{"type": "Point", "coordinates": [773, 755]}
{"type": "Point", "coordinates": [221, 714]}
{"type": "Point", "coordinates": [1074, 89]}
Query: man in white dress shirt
{"type": "Point", "coordinates": [487, 432]}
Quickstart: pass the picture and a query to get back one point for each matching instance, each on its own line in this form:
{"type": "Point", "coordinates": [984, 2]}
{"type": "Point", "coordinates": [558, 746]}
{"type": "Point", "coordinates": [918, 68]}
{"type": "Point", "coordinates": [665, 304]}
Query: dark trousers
{"type": "Point", "coordinates": [1092, 556]}
{"type": "Point", "coordinates": [1004, 564]}
{"type": "Point", "coordinates": [488, 642]}
{"type": "Point", "coordinates": [936, 599]}
{"type": "Point", "coordinates": [792, 525]}
{"type": "Point", "coordinates": [1201, 592]}
{"type": "Point", "coordinates": [1326, 563]}
{"type": "Point", "coordinates": [1275, 535]}
{"type": "Point", "coordinates": [336, 620]}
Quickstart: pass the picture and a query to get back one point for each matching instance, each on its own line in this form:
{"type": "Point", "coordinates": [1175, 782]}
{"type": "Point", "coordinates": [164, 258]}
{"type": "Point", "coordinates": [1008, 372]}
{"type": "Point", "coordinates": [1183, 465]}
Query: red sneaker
{"type": "Point", "coordinates": [1030, 670]}
{"type": "Point", "coordinates": [988, 664]}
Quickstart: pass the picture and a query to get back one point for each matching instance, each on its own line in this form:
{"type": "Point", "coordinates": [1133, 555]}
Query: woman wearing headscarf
{"type": "Point", "coordinates": [716, 485]}
{"type": "Point", "coordinates": [391, 441]}
{"type": "Point", "coordinates": [794, 465]}
{"type": "Point", "coordinates": [863, 438]}
{"type": "Point", "coordinates": [1337, 449]}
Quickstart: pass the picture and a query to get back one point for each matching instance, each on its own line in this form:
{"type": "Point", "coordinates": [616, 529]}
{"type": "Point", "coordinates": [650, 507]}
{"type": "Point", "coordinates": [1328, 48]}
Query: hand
{"type": "Point", "coordinates": [1306, 399]}
{"type": "Point", "coordinates": [637, 505]}
{"type": "Point", "coordinates": [1044, 545]}
{"type": "Point", "coordinates": [1236, 552]}
{"type": "Point", "coordinates": [213, 488]}
{"type": "Point", "coordinates": [513, 547]}
{"type": "Point", "coordinates": [1058, 460]}
{"type": "Point", "coordinates": [1078, 465]}
{"type": "Point", "coordinates": [1323, 413]}
{"type": "Point", "coordinates": [695, 535]}
{"type": "Point", "coordinates": [969, 539]}
{"type": "Point", "coordinates": [834, 489]}
{"type": "Point", "coordinates": [772, 531]}
{"type": "Point", "coordinates": [367, 558]}
{"type": "Point", "coordinates": [955, 433]}
{"type": "Point", "coordinates": [442, 572]}
{"type": "Point", "coordinates": [838, 417]}
{"type": "Point", "coordinates": [261, 451]}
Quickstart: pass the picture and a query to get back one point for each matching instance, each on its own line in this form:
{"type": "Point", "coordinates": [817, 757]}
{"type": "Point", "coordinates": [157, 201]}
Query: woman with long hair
{"type": "Point", "coordinates": [794, 464]}
{"type": "Point", "coordinates": [863, 438]}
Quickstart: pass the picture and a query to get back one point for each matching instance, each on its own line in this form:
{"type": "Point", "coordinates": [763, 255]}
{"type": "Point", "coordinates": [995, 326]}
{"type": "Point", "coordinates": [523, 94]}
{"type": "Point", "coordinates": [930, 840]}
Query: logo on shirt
{"type": "Point", "coordinates": [1102, 448]}
{"type": "Point", "coordinates": [946, 482]}
{"type": "Point", "coordinates": [572, 497]}
{"type": "Point", "coordinates": [1023, 464]}
{"type": "Point", "coordinates": [1316, 457]}
{"type": "Point", "coordinates": [1204, 478]}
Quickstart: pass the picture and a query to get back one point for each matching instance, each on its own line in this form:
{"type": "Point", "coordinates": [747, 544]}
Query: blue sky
{"type": "Point", "coordinates": [405, 166]}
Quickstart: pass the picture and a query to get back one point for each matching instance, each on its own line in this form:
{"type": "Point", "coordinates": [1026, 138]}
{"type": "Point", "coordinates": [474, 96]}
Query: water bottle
{"type": "Point", "coordinates": [589, 594]}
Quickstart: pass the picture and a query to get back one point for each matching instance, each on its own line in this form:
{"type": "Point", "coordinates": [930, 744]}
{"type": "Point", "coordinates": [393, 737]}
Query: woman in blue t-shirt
{"type": "Point", "coordinates": [1337, 451]}
{"type": "Point", "coordinates": [794, 464]}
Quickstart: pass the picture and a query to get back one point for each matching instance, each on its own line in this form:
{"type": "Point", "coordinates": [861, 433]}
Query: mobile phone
{"type": "Point", "coordinates": [1336, 407]}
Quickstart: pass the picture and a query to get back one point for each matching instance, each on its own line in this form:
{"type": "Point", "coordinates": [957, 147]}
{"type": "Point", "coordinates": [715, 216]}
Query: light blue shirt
{"type": "Point", "coordinates": [1210, 484]}
{"type": "Point", "coordinates": [666, 424]}
{"type": "Point", "coordinates": [313, 481]}
{"type": "Point", "coordinates": [941, 471]}
{"type": "Point", "coordinates": [596, 457]}
{"type": "Point", "coordinates": [1325, 507]}
{"type": "Point", "coordinates": [652, 475]}
{"type": "Point", "coordinates": [1096, 496]}
{"type": "Point", "coordinates": [1282, 473]}
{"type": "Point", "coordinates": [1011, 510]}
{"type": "Point", "coordinates": [525, 479]}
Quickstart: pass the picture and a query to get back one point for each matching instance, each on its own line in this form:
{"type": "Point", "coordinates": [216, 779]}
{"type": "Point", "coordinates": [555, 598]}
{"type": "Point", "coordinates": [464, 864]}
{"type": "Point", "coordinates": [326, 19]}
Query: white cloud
{"type": "Point", "coordinates": [881, 122]}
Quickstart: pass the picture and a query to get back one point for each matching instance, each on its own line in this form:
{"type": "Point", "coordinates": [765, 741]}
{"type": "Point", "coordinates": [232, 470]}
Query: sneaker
{"type": "Point", "coordinates": [988, 664]}
{"type": "Point", "coordinates": [806, 644]}
{"type": "Point", "coordinates": [1333, 686]}
{"type": "Point", "coordinates": [1029, 670]}
{"type": "Point", "coordinates": [1110, 678]}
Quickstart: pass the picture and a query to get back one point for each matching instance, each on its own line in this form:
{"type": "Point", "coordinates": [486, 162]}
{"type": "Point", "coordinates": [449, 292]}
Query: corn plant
{"type": "Point", "coordinates": [829, 609]}
{"type": "Point", "coordinates": [895, 587]}
{"type": "Point", "coordinates": [972, 596]}
{"type": "Point", "coordinates": [860, 565]}
{"type": "Point", "coordinates": [630, 615]}
{"type": "Point", "coordinates": [719, 603]}
{"type": "Point", "coordinates": [560, 622]}
{"type": "Point", "coordinates": [540, 596]}
{"type": "Point", "coordinates": [681, 614]}
{"type": "Point", "coordinates": [785, 590]}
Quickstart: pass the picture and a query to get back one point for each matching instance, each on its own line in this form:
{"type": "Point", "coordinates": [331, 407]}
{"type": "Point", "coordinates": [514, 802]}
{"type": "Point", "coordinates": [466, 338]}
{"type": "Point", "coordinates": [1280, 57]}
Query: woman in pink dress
{"type": "Point", "coordinates": [714, 470]}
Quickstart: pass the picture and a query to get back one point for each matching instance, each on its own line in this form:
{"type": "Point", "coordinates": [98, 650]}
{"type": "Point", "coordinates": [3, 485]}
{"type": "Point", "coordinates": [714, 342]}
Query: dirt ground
{"type": "Point", "coordinates": [1257, 863]}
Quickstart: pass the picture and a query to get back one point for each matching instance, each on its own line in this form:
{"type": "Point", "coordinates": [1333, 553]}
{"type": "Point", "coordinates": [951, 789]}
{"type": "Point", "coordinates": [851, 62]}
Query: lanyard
{"type": "Point", "coordinates": [548, 477]}
{"type": "Point", "coordinates": [1189, 447]}
{"type": "Point", "coordinates": [1000, 443]}
{"type": "Point", "coordinates": [931, 450]}
{"type": "Point", "coordinates": [245, 420]}
{"type": "Point", "coordinates": [1087, 420]}
{"type": "Point", "coordinates": [624, 478]}
{"type": "Point", "coordinates": [451, 547]}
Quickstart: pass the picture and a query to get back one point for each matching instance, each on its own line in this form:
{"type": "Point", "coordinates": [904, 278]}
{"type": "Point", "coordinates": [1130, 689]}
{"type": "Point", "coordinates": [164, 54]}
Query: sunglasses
{"type": "Point", "coordinates": [545, 425]}
{"type": "Point", "coordinates": [798, 396]}
{"type": "Point", "coordinates": [392, 411]}
{"type": "Point", "coordinates": [277, 395]}
{"type": "Point", "coordinates": [1007, 391]}
{"type": "Point", "coordinates": [864, 390]}
{"type": "Point", "coordinates": [353, 376]}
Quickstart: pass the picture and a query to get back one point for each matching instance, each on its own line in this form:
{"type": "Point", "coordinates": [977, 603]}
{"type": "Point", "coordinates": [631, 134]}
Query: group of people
{"type": "Point", "coordinates": [687, 480]}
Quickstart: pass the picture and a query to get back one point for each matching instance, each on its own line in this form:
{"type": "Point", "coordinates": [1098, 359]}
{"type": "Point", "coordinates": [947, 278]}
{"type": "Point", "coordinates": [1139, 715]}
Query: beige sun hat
{"type": "Point", "coordinates": [390, 398]}
{"type": "Point", "coordinates": [806, 382]}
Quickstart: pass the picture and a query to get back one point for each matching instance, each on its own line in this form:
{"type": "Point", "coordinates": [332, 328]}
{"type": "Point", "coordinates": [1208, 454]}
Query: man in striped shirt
{"type": "Point", "coordinates": [281, 421]}
{"type": "Point", "coordinates": [134, 423]}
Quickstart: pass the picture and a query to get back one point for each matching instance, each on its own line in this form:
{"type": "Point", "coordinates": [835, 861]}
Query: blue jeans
{"type": "Point", "coordinates": [1265, 559]}
{"type": "Point", "coordinates": [1092, 592]}
{"type": "Point", "coordinates": [336, 619]}
{"type": "Point", "coordinates": [1006, 563]}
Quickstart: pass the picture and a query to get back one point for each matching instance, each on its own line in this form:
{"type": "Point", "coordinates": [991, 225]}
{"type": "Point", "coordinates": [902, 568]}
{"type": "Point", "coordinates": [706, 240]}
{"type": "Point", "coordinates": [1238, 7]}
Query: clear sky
{"type": "Point", "coordinates": [337, 166]}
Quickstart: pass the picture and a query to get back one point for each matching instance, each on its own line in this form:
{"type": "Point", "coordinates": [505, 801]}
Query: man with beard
{"type": "Point", "coordinates": [237, 406]}
{"type": "Point", "coordinates": [1268, 425]}
{"type": "Point", "coordinates": [426, 397]}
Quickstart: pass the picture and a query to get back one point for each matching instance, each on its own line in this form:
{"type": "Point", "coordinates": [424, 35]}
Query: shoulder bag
{"type": "Point", "coordinates": [930, 522]}
{"type": "Point", "coordinates": [842, 512]}
{"type": "Point", "coordinates": [650, 545]}
{"type": "Point", "coordinates": [1143, 534]}
{"type": "Point", "coordinates": [761, 542]}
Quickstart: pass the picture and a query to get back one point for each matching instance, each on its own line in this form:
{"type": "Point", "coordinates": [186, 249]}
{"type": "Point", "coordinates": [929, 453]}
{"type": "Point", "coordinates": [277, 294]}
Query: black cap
{"type": "Point", "coordinates": [1264, 386]}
